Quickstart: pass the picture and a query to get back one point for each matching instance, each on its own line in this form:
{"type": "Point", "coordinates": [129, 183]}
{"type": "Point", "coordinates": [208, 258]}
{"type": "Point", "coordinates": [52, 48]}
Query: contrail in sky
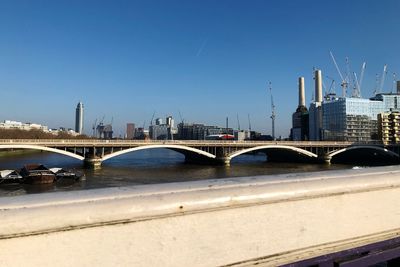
{"type": "Point", "coordinates": [202, 47]}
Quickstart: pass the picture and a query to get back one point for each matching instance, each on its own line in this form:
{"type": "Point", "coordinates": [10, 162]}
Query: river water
{"type": "Point", "coordinates": [144, 167]}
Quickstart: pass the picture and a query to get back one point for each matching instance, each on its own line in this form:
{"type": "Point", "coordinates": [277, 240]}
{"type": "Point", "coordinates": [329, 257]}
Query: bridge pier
{"type": "Point", "coordinates": [324, 157]}
{"type": "Point", "coordinates": [223, 161]}
{"type": "Point", "coordinates": [93, 163]}
{"type": "Point", "coordinates": [222, 156]}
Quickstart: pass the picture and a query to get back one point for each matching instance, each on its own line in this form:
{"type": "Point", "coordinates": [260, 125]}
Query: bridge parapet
{"type": "Point", "coordinates": [266, 220]}
{"type": "Point", "coordinates": [93, 152]}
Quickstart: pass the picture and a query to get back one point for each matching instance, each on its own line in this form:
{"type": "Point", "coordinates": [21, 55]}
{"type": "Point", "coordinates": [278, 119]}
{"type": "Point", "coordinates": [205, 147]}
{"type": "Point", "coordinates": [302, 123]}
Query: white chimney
{"type": "Point", "coordinates": [318, 86]}
{"type": "Point", "coordinates": [302, 98]}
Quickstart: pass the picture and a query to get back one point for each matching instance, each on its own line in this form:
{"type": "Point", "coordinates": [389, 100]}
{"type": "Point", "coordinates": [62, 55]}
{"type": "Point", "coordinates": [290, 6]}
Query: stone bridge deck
{"type": "Point", "coordinates": [94, 152]}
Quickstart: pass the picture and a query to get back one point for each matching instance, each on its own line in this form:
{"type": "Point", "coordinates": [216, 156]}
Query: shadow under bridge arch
{"type": "Point", "coordinates": [371, 155]}
{"type": "Point", "coordinates": [190, 153]}
{"type": "Point", "coordinates": [280, 153]}
{"type": "Point", "coordinates": [43, 148]}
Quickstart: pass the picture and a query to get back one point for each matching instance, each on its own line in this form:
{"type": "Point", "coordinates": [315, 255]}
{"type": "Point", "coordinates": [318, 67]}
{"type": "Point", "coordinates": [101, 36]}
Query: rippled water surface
{"type": "Point", "coordinates": [144, 167]}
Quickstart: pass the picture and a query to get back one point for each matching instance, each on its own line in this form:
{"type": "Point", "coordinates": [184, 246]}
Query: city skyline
{"type": "Point", "coordinates": [207, 60]}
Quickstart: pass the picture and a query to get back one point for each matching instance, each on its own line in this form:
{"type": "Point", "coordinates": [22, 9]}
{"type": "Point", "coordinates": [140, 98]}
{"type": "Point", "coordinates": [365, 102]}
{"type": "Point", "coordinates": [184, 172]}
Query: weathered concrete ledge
{"type": "Point", "coordinates": [269, 220]}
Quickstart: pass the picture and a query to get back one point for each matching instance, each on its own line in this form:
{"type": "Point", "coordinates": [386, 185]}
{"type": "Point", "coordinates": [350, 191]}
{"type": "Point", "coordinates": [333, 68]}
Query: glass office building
{"type": "Point", "coordinates": [355, 119]}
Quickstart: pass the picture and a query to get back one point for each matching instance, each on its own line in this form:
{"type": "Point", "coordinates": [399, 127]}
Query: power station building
{"type": "Point", "coordinates": [300, 117]}
{"type": "Point", "coordinates": [344, 118]}
{"type": "Point", "coordinates": [315, 111]}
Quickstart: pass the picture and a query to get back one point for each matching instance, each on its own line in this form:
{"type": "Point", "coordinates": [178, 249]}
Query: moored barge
{"type": "Point", "coordinates": [37, 174]}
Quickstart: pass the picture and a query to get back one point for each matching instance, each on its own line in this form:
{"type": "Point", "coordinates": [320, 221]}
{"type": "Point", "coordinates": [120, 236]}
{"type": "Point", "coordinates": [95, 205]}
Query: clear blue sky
{"type": "Point", "coordinates": [206, 59]}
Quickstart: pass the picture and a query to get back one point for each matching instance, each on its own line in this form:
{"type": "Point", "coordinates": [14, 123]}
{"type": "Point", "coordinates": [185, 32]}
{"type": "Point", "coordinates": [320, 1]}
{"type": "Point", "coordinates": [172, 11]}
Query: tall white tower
{"type": "Point", "coordinates": [79, 118]}
{"type": "Point", "coordinates": [315, 111]}
{"type": "Point", "coordinates": [302, 97]}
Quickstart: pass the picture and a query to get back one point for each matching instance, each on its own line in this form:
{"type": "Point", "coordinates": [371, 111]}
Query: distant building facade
{"type": "Point", "coordinates": [130, 131]}
{"type": "Point", "coordinates": [79, 118]}
{"type": "Point", "coordinates": [170, 122]}
{"type": "Point", "coordinates": [350, 119]}
{"type": "Point", "coordinates": [13, 125]}
{"type": "Point", "coordinates": [161, 131]}
{"type": "Point", "coordinates": [141, 133]}
{"type": "Point", "coordinates": [242, 135]}
{"type": "Point", "coordinates": [389, 127]}
{"type": "Point", "coordinates": [356, 119]}
{"type": "Point", "coordinates": [63, 130]}
{"type": "Point", "coordinates": [192, 131]}
{"type": "Point", "coordinates": [104, 131]}
{"type": "Point", "coordinates": [345, 118]}
{"type": "Point", "coordinates": [159, 121]}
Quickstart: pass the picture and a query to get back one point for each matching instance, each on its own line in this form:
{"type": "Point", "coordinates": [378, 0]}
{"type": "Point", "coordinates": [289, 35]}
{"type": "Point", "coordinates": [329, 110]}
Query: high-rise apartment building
{"type": "Point", "coordinates": [79, 118]}
{"type": "Point", "coordinates": [389, 127]}
{"type": "Point", "coordinates": [130, 131]}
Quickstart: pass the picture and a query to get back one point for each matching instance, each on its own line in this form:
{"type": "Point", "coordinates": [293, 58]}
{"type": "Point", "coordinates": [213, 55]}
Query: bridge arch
{"type": "Point", "coordinates": [178, 148]}
{"type": "Point", "coordinates": [43, 148]}
{"type": "Point", "coordinates": [378, 148]}
{"type": "Point", "coordinates": [295, 149]}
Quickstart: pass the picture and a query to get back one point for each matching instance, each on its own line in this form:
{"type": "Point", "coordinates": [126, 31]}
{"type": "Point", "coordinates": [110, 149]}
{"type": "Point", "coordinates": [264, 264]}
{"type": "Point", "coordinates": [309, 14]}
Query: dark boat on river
{"type": "Point", "coordinates": [37, 174]}
{"type": "Point", "coordinates": [62, 174]}
{"type": "Point", "coordinates": [10, 177]}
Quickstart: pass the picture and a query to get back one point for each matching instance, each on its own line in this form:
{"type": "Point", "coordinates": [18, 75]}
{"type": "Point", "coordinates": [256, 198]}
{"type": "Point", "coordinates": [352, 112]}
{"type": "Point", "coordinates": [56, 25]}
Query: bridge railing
{"type": "Point", "coordinates": [193, 142]}
{"type": "Point", "coordinates": [270, 220]}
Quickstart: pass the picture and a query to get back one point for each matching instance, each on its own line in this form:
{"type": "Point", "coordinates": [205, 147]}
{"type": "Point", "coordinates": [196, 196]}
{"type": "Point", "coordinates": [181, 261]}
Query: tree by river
{"type": "Point", "coordinates": [36, 134]}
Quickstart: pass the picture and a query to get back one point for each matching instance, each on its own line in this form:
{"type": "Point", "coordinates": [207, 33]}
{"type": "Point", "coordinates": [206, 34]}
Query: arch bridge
{"type": "Point", "coordinates": [94, 152]}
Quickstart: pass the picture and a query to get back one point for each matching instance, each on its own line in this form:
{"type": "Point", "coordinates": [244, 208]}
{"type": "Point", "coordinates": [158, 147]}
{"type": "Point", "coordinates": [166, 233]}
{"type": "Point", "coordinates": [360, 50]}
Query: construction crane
{"type": "Point", "coordinates": [351, 83]}
{"type": "Point", "coordinates": [382, 80]}
{"type": "Point", "coordinates": [352, 79]}
{"type": "Point", "coordinates": [332, 89]}
{"type": "Point", "coordinates": [364, 65]}
{"type": "Point", "coordinates": [376, 83]}
{"type": "Point", "coordinates": [102, 119]}
{"type": "Point", "coordinates": [94, 127]}
{"type": "Point", "coordinates": [273, 115]}
{"type": "Point", "coordinates": [361, 78]}
{"type": "Point", "coordinates": [152, 118]}
{"type": "Point", "coordinates": [344, 83]}
{"type": "Point", "coordinates": [356, 92]}
{"type": "Point", "coordinates": [180, 115]}
{"type": "Point", "coordinates": [237, 117]}
{"type": "Point", "coordinates": [394, 82]}
{"type": "Point", "coordinates": [248, 117]}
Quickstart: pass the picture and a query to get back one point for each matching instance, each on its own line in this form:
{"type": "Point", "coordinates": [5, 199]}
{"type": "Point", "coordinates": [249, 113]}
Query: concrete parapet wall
{"type": "Point", "coordinates": [269, 220]}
